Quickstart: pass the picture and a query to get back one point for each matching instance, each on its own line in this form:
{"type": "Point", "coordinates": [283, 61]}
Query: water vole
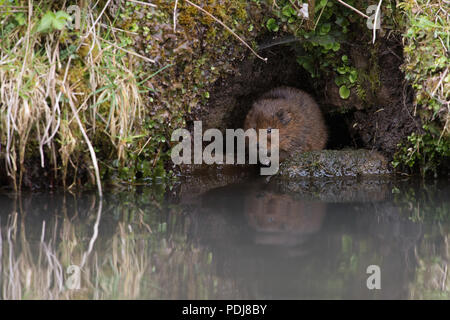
{"type": "Point", "coordinates": [295, 114]}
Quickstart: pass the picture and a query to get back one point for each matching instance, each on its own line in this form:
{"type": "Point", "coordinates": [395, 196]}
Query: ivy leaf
{"type": "Point", "coordinates": [344, 92]}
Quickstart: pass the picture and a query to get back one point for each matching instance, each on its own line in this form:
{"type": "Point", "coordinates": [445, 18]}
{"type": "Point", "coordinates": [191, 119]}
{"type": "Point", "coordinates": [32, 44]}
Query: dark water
{"type": "Point", "coordinates": [253, 240]}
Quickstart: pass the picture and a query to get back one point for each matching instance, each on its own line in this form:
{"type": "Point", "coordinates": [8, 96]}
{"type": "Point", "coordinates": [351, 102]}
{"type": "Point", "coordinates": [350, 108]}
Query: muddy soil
{"type": "Point", "coordinates": [390, 119]}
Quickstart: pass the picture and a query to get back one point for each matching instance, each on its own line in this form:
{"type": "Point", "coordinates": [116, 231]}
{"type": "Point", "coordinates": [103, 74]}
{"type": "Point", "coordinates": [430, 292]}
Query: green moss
{"type": "Point", "coordinates": [333, 163]}
{"type": "Point", "coordinates": [426, 66]}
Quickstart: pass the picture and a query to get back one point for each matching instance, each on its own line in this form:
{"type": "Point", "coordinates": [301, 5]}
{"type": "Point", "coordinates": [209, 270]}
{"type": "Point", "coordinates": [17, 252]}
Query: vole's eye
{"type": "Point", "coordinates": [269, 130]}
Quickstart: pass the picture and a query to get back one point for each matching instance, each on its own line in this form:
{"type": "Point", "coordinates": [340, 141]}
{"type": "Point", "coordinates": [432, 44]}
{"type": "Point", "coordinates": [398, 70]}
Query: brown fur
{"type": "Point", "coordinates": [295, 114]}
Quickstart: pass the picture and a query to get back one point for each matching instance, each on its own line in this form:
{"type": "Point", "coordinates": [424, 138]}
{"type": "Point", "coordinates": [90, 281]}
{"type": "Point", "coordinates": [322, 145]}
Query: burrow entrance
{"type": "Point", "coordinates": [378, 124]}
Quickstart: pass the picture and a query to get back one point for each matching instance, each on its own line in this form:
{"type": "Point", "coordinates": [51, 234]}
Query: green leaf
{"type": "Point", "coordinates": [320, 5]}
{"type": "Point", "coordinates": [20, 18]}
{"type": "Point", "coordinates": [60, 20]}
{"type": "Point", "coordinates": [272, 25]}
{"type": "Point", "coordinates": [342, 70]}
{"type": "Point", "coordinates": [353, 76]}
{"type": "Point", "coordinates": [307, 63]}
{"type": "Point", "coordinates": [325, 28]}
{"type": "Point", "coordinates": [328, 46]}
{"type": "Point", "coordinates": [58, 24]}
{"type": "Point", "coordinates": [46, 22]}
{"type": "Point", "coordinates": [344, 92]}
{"type": "Point", "coordinates": [288, 11]}
{"type": "Point", "coordinates": [62, 15]}
{"type": "Point", "coordinates": [53, 20]}
{"type": "Point", "coordinates": [339, 21]}
{"type": "Point", "coordinates": [339, 80]}
{"type": "Point", "coordinates": [336, 46]}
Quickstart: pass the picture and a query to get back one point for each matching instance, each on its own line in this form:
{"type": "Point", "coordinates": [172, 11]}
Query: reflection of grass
{"type": "Point", "coordinates": [136, 261]}
{"type": "Point", "coordinates": [432, 279]}
{"type": "Point", "coordinates": [25, 276]}
{"type": "Point", "coordinates": [121, 273]}
{"type": "Point", "coordinates": [423, 201]}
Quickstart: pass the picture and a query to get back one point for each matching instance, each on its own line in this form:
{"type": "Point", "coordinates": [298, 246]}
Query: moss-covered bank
{"type": "Point", "coordinates": [426, 39]}
{"type": "Point", "coordinates": [99, 101]}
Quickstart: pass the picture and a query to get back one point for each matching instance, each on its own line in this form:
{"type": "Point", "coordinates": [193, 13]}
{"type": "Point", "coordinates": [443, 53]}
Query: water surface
{"type": "Point", "coordinates": [250, 240]}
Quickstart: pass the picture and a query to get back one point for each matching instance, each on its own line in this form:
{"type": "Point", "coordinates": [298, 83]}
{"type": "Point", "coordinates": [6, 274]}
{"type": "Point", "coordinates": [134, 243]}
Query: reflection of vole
{"type": "Point", "coordinates": [295, 114]}
{"type": "Point", "coordinates": [270, 212]}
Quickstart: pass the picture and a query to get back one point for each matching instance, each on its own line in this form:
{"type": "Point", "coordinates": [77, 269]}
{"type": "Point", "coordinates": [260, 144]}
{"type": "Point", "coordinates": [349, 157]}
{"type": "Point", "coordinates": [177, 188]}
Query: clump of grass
{"type": "Point", "coordinates": [60, 89]}
{"type": "Point", "coordinates": [427, 43]}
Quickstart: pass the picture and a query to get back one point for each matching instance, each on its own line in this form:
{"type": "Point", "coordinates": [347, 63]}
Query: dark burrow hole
{"type": "Point", "coordinates": [233, 96]}
{"type": "Point", "coordinates": [339, 133]}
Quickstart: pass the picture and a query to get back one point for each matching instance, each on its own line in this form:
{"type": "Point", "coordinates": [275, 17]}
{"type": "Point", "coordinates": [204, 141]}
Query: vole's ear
{"type": "Point", "coordinates": [284, 116]}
